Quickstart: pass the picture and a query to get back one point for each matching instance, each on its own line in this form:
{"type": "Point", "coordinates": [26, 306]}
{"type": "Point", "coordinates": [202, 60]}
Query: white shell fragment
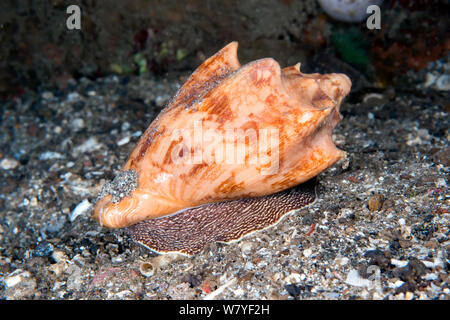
{"type": "Point", "coordinates": [80, 209]}
{"type": "Point", "coordinates": [354, 279]}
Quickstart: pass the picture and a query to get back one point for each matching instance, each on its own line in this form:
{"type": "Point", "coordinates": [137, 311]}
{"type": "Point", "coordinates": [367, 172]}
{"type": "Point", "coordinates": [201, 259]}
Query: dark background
{"type": "Point", "coordinates": [74, 104]}
{"type": "Point", "coordinates": [176, 36]}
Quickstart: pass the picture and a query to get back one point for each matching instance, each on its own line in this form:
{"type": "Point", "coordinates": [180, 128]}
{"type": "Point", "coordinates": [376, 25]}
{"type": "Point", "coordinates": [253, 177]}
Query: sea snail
{"type": "Point", "coordinates": [227, 156]}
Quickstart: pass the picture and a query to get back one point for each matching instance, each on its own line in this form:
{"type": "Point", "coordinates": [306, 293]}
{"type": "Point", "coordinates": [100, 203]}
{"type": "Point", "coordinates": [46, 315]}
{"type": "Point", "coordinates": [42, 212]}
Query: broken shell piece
{"type": "Point", "coordinates": [215, 164]}
{"type": "Point", "coordinates": [147, 269]}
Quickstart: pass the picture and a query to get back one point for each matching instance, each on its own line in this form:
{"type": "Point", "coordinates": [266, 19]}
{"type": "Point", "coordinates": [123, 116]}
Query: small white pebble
{"type": "Point", "coordinates": [441, 183]}
{"type": "Point", "coordinates": [125, 126]}
{"type": "Point", "coordinates": [47, 95]}
{"type": "Point", "coordinates": [77, 124]}
{"type": "Point", "coordinates": [342, 261]}
{"type": "Point", "coordinates": [123, 141]}
{"type": "Point", "coordinates": [331, 295]}
{"type": "Point", "coordinates": [399, 263]}
{"type": "Point", "coordinates": [433, 264]}
{"type": "Point", "coordinates": [136, 134]}
{"type": "Point", "coordinates": [249, 266]}
{"type": "Point", "coordinates": [409, 295]}
{"type": "Point", "coordinates": [276, 276]}
{"type": "Point", "coordinates": [123, 293]}
{"type": "Point", "coordinates": [396, 284]}
{"type": "Point", "coordinates": [73, 96]}
{"type": "Point", "coordinates": [423, 134]}
{"type": "Point", "coordinates": [49, 155]}
{"type": "Point", "coordinates": [346, 213]}
{"type": "Point", "coordinates": [246, 247]}
{"type": "Point", "coordinates": [354, 279]}
{"type": "Point", "coordinates": [307, 253]}
{"type": "Point", "coordinates": [116, 260]}
{"type": "Point", "coordinates": [89, 145]}
{"type": "Point", "coordinates": [430, 276]}
{"type": "Point", "coordinates": [293, 278]}
{"type": "Point", "coordinates": [429, 80]}
{"type": "Point", "coordinates": [443, 83]}
{"type": "Point", "coordinates": [239, 292]}
{"type": "Point", "coordinates": [401, 222]}
{"type": "Point", "coordinates": [161, 100]}
{"type": "Point", "coordinates": [80, 209]}
{"type": "Point", "coordinates": [33, 202]}
{"type": "Point", "coordinates": [16, 277]}
{"type": "Point", "coordinates": [59, 256]}
{"type": "Point", "coordinates": [9, 163]}
{"type": "Point", "coordinates": [12, 281]}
